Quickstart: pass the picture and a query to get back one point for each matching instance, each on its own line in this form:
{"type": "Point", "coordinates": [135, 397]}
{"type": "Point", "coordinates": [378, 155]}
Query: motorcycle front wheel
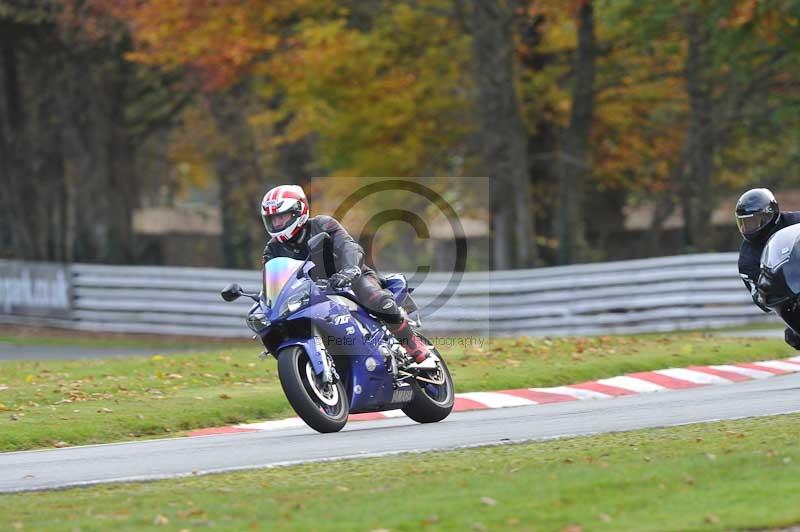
{"type": "Point", "coordinates": [323, 406]}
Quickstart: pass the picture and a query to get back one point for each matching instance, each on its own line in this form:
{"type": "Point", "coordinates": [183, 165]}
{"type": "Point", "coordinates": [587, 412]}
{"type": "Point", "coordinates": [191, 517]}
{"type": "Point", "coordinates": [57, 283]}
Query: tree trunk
{"type": "Point", "coordinates": [696, 200]}
{"type": "Point", "coordinates": [11, 124]}
{"type": "Point", "coordinates": [574, 161]}
{"type": "Point", "coordinates": [239, 180]}
{"type": "Point", "coordinates": [504, 140]}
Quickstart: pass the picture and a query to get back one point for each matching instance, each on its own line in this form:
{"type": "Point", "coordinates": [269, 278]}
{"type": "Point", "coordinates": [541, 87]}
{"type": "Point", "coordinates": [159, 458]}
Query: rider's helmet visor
{"type": "Point", "coordinates": [752, 223]}
{"type": "Point", "coordinates": [278, 222]}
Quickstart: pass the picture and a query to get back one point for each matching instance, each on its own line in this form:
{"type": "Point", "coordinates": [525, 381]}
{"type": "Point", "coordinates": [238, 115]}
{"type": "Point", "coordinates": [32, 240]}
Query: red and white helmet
{"type": "Point", "coordinates": [284, 211]}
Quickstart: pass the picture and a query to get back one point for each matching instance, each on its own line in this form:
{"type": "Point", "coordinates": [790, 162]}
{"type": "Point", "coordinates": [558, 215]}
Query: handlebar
{"type": "Point", "coordinates": [325, 286]}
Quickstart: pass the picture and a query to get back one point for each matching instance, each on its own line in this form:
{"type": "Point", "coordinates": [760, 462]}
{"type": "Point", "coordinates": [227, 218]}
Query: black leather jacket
{"type": "Point", "coordinates": [347, 253]}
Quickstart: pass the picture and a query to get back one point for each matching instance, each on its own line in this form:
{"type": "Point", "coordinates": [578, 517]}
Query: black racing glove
{"type": "Point", "coordinates": [792, 338]}
{"type": "Point", "coordinates": [752, 287]}
{"type": "Point", "coordinates": [344, 278]}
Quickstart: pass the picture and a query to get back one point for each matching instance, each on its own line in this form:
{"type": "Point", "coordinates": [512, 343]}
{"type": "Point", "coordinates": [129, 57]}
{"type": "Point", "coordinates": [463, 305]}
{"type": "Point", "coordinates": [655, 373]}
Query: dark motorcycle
{"type": "Point", "coordinates": [779, 282]}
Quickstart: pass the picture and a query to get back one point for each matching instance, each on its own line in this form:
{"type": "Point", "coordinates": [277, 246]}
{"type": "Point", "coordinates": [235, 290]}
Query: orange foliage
{"type": "Point", "coordinates": [220, 41]}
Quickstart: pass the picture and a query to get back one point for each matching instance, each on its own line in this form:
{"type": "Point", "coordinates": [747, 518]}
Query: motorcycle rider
{"type": "Point", "coordinates": [758, 218]}
{"type": "Point", "coordinates": [285, 213]}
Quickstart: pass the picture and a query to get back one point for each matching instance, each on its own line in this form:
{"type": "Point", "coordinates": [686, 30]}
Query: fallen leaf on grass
{"type": "Point", "coordinates": [572, 528]}
{"type": "Point", "coordinates": [712, 519]}
{"type": "Point", "coordinates": [488, 501]}
{"type": "Point", "coordinates": [60, 444]}
{"type": "Point", "coordinates": [604, 518]}
{"type": "Point", "coordinates": [160, 520]}
{"type": "Point", "coordinates": [224, 396]}
{"type": "Point", "coordinates": [194, 512]}
{"type": "Point", "coordinates": [104, 411]}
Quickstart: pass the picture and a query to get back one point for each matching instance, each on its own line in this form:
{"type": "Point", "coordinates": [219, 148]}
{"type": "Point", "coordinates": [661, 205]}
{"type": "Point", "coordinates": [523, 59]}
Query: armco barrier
{"type": "Point", "coordinates": [648, 295]}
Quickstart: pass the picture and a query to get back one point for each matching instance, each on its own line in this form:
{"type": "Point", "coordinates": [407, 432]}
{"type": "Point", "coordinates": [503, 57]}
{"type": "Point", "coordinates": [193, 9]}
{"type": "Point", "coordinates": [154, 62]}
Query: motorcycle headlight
{"type": "Point", "coordinates": [257, 321]}
{"type": "Point", "coordinates": [295, 303]}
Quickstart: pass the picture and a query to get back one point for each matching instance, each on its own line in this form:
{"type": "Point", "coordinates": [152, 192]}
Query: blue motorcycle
{"type": "Point", "coordinates": [334, 357]}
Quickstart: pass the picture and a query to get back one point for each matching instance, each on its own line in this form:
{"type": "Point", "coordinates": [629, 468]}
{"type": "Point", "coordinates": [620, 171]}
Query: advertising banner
{"type": "Point", "coordinates": [34, 289]}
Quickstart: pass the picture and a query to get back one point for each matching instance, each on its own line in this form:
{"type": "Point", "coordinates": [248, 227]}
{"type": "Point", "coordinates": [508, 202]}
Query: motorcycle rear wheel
{"type": "Point", "coordinates": [324, 407]}
{"type": "Point", "coordinates": [431, 403]}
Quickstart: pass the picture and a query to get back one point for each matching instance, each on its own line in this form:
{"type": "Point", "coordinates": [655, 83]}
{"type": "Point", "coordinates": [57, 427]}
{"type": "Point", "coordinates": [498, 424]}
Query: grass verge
{"type": "Point", "coordinates": [55, 403]}
{"type": "Point", "coordinates": [19, 335]}
{"type": "Point", "coordinates": [714, 476]}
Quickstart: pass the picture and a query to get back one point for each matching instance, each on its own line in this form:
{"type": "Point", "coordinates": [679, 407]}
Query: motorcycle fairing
{"type": "Point", "coordinates": [350, 347]}
{"type": "Point", "coordinates": [782, 252]}
{"type": "Point", "coordinates": [790, 316]}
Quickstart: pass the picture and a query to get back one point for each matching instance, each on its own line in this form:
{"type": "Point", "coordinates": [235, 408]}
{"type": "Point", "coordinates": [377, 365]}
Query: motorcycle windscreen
{"type": "Point", "coordinates": [783, 252]}
{"type": "Point", "coordinates": [277, 273]}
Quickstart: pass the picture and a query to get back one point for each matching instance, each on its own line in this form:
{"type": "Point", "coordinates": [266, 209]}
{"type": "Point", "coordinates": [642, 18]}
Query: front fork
{"type": "Point", "coordinates": [328, 372]}
{"type": "Point", "coordinates": [318, 355]}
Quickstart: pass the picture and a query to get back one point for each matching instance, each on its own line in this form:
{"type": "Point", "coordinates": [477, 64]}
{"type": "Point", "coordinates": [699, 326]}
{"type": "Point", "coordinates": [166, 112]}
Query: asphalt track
{"type": "Point", "coordinates": [158, 459]}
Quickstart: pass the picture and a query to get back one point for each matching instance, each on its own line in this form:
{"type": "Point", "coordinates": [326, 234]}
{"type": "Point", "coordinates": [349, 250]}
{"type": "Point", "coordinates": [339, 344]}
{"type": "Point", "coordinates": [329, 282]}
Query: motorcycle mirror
{"type": "Point", "coordinates": [317, 240]}
{"type": "Point", "coordinates": [232, 292]}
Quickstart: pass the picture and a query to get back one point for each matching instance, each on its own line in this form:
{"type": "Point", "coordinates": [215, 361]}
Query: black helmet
{"type": "Point", "coordinates": [757, 214]}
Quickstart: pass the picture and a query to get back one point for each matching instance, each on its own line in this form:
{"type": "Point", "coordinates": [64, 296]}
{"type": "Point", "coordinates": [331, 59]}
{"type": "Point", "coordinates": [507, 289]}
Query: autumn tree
{"type": "Point", "coordinates": [503, 138]}
{"type": "Point", "coordinates": [72, 113]}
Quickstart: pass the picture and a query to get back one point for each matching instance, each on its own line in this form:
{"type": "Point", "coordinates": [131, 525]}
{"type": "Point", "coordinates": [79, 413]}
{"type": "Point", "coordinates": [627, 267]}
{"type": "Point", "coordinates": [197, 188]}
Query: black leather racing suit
{"type": "Point", "coordinates": [750, 267]}
{"type": "Point", "coordinates": [347, 254]}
